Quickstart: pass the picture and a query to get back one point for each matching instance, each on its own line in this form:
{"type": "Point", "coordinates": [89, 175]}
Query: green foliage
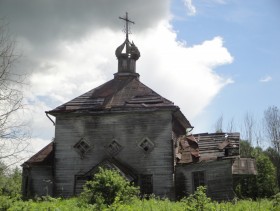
{"type": "Point", "coordinates": [266, 178]}
{"type": "Point", "coordinates": [246, 149]}
{"type": "Point", "coordinates": [152, 203]}
{"type": "Point", "coordinates": [276, 200]}
{"type": "Point", "coordinates": [10, 182]}
{"type": "Point", "coordinates": [199, 200]}
{"type": "Point", "coordinates": [275, 159]}
{"type": "Point", "coordinates": [136, 204]}
{"type": "Point", "coordinates": [58, 204]}
{"type": "Point", "coordinates": [107, 187]}
{"type": "Point", "coordinates": [5, 202]}
{"type": "Point", "coordinates": [262, 185]}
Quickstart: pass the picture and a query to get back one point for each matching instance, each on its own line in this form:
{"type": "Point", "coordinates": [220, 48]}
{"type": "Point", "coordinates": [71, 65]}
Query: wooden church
{"type": "Point", "coordinates": [126, 126]}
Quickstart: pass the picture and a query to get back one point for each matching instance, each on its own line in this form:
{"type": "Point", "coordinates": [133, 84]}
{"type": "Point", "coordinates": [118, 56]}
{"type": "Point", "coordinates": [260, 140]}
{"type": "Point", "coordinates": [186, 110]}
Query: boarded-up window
{"type": "Point", "coordinates": [198, 179]}
{"type": "Point", "coordinates": [114, 148]}
{"type": "Point", "coordinates": [147, 145]}
{"type": "Point", "coordinates": [82, 146]}
{"type": "Point", "coordinates": [146, 183]}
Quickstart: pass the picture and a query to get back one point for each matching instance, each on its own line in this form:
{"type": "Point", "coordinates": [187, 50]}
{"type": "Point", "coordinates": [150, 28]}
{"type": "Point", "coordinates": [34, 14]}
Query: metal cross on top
{"type": "Point", "coordinates": [127, 21]}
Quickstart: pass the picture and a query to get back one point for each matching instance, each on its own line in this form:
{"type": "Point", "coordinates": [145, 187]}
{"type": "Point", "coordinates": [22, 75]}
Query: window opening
{"type": "Point", "coordinates": [146, 145]}
{"type": "Point", "coordinates": [114, 148]}
{"type": "Point", "coordinates": [146, 184]}
{"type": "Point", "coordinates": [82, 146]}
{"type": "Point", "coordinates": [198, 179]}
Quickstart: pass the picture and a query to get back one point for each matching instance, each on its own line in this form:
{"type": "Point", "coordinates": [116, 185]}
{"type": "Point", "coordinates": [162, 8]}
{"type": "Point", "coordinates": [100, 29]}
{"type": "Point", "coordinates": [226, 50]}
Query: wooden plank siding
{"type": "Point", "coordinates": [128, 129]}
{"type": "Point", "coordinates": [244, 166]}
{"type": "Point", "coordinates": [218, 179]}
{"type": "Point", "coordinates": [38, 181]}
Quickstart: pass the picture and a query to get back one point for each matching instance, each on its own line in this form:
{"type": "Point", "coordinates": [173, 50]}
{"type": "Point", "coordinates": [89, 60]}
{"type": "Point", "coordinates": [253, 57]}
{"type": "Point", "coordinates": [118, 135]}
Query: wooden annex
{"type": "Point", "coordinates": [126, 126]}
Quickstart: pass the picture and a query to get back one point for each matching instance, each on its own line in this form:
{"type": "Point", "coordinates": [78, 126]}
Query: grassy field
{"type": "Point", "coordinates": [73, 204]}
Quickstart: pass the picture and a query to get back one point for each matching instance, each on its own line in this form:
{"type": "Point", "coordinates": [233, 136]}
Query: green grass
{"type": "Point", "coordinates": [153, 204]}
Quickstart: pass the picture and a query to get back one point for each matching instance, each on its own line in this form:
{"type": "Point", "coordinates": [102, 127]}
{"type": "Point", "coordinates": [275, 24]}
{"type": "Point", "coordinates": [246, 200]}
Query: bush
{"type": "Point", "coordinates": [5, 202]}
{"type": "Point", "coordinates": [107, 187]}
{"type": "Point", "coordinates": [199, 200]}
{"type": "Point", "coordinates": [10, 181]}
{"type": "Point", "coordinates": [276, 200]}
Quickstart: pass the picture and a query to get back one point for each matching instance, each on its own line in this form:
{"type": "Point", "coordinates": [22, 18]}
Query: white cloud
{"type": "Point", "coordinates": [191, 10]}
{"type": "Point", "coordinates": [266, 79]}
{"type": "Point", "coordinates": [183, 74]}
{"type": "Point", "coordinates": [69, 67]}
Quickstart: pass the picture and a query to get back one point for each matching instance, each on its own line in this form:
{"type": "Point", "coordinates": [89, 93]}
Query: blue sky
{"type": "Point", "coordinates": [251, 33]}
{"type": "Point", "coordinates": [210, 57]}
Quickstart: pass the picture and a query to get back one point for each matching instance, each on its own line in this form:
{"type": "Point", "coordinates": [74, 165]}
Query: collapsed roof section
{"type": "Point", "coordinates": [207, 146]}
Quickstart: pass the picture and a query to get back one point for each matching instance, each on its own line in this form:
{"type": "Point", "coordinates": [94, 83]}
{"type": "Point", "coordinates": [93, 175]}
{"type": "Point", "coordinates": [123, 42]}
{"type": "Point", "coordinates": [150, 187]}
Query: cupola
{"type": "Point", "coordinates": [127, 54]}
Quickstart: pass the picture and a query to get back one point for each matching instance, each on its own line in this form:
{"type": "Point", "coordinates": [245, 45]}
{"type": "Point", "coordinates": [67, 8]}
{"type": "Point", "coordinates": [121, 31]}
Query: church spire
{"type": "Point", "coordinates": [127, 59]}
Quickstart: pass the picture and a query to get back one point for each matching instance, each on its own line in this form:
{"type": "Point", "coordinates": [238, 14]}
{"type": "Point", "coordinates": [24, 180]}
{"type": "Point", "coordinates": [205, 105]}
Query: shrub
{"type": "Point", "coordinates": [5, 202]}
{"type": "Point", "coordinates": [10, 181]}
{"type": "Point", "coordinates": [276, 200]}
{"type": "Point", "coordinates": [107, 187]}
{"type": "Point", "coordinates": [199, 200]}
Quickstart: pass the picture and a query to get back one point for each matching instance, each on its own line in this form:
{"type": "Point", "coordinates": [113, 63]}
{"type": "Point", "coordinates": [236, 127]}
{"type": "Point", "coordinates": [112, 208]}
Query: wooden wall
{"type": "Point", "coordinates": [37, 181]}
{"type": "Point", "coordinates": [128, 129]}
{"type": "Point", "coordinates": [218, 178]}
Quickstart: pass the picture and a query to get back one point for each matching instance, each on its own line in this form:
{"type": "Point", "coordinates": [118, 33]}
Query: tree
{"type": "Point", "coordinates": [275, 159]}
{"type": "Point", "coordinates": [272, 126]}
{"type": "Point", "coordinates": [264, 184]}
{"type": "Point", "coordinates": [249, 127]}
{"type": "Point", "coordinates": [231, 126]}
{"type": "Point", "coordinates": [10, 181]}
{"type": "Point", "coordinates": [246, 149]}
{"type": "Point", "coordinates": [13, 131]}
{"type": "Point", "coordinates": [219, 124]}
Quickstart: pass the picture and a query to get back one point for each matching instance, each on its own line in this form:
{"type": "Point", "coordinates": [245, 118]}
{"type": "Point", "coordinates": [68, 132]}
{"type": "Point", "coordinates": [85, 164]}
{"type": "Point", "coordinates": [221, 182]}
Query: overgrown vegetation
{"type": "Point", "coordinates": [10, 181]}
{"type": "Point", "coordinates": [198, 202]}
{"type": "Point", "coordinates": [264, 184]}
{"type": "Point", "coordinates": [110, 191]}
{"type": "Point", "coordinates": [107, 187]}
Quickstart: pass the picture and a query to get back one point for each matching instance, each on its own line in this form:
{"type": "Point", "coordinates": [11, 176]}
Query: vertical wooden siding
{"type": "Point", "coordinates": [40, 181]}
{"type": "Point", "coordinates": [218, 178]}
{"type": "Point", "coordinates": [128, 129]}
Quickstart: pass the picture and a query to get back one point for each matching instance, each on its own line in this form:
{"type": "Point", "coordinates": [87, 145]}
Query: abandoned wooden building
{"type": "Point", "coordinates": [126, 126]}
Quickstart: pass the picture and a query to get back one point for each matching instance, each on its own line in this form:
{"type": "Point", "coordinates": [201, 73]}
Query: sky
{"type": "Point", "coordinates": [212, 58]}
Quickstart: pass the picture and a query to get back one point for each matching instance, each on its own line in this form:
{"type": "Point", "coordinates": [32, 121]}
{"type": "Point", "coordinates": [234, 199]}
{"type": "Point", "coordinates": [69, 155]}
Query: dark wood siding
{"type": "Point", "coordinates": [218, 179]}
{"type": "Point", "coordinates": [37, 181]}
{"type": "Point", "coordinates": [128, 129]}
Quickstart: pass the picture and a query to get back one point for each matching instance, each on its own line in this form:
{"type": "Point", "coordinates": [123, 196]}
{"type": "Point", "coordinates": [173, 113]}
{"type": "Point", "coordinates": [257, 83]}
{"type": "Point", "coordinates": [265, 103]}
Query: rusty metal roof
{"type": "Point", "coordinates": [121, 92]}
{"type": "Point", "coordinates": [44, 156]}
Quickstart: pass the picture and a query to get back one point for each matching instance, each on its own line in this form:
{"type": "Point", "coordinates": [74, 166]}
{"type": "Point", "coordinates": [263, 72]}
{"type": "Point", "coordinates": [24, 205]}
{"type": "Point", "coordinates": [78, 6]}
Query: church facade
{"type": "Point", "coordinates": [126, 126]}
